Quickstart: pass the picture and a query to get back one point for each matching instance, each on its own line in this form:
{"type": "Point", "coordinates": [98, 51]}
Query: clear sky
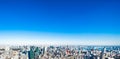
{"type": "Point", "coordinates": [61, 18]}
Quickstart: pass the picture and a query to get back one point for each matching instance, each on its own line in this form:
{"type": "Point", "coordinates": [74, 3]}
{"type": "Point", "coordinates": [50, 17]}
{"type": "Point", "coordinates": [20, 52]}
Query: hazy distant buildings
{"type": "Point", "coordinates": [60, 52]}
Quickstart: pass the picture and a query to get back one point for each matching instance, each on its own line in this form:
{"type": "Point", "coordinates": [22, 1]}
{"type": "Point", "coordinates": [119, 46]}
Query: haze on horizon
{"type": "Point", "coordinates": [72, 22]}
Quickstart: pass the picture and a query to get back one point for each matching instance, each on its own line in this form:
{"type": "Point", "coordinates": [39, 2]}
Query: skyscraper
{"type": "Point", "coordinates": [31, 53]}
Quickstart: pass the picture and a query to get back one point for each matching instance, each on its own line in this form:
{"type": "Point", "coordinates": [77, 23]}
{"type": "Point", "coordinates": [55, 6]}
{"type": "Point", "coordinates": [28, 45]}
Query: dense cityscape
{"type": "Point", "coordinates": [60, 52]}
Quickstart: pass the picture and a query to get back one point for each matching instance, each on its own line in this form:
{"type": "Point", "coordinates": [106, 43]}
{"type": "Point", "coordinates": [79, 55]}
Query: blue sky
{"type": "Point", "coordinates": [62, 17]}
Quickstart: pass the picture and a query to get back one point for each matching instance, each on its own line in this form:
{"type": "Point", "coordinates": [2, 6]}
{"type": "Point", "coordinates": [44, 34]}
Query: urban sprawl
{"type": "Point", "coordinates": [60, 52]}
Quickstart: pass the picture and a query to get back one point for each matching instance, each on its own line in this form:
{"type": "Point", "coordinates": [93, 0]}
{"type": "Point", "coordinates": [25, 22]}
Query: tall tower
{"type": "Point", "coordinates": [31, 53]}
{"type": "Point", "coordinates": [103, 53]}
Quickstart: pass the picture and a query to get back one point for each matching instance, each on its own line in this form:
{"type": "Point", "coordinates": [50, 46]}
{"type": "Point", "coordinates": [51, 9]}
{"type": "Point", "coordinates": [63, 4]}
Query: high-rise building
{"type": "Point", "coordinates": [31, 53]}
